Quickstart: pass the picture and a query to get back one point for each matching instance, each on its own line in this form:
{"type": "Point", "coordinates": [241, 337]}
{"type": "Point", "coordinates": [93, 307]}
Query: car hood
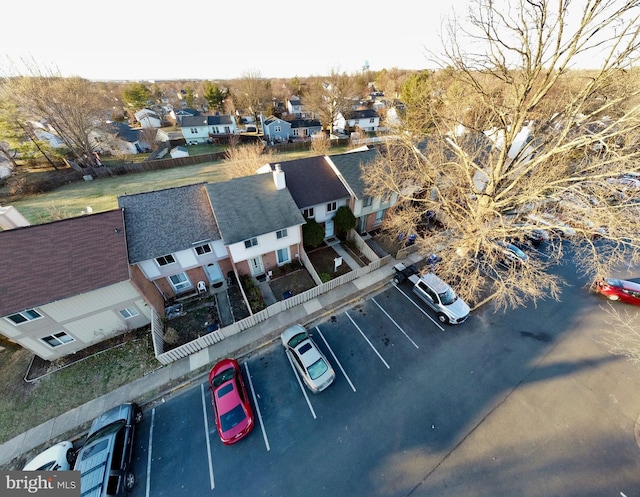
{"type": "Point", "coordinates": [459, 308]}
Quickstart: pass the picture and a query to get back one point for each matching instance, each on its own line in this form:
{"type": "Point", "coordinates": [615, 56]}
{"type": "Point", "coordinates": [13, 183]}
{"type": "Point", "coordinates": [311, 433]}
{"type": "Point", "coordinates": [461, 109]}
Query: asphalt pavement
{"type": "Point", "coordinates": [167, 380]}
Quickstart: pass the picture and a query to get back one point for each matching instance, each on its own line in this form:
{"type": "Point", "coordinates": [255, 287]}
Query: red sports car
{"type": "Point", "coordinates": [622, 290]}
{"type": "Point", "coordinates": [231, 406]}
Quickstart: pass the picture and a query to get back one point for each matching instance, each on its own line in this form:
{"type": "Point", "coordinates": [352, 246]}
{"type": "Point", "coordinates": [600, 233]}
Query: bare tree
{"type": "Point", "coordinates": [510, 138]}
{"type": "Point", "coordinates": [329, 97]}
{"type": "Point", "coordinates": [252, 93]}
{"type": "Point", "coordinates": [245, 160]}
{"type": "Point", "coordinates": [321, 144]}
{"type": "Point", "coordinates": [71, 106]}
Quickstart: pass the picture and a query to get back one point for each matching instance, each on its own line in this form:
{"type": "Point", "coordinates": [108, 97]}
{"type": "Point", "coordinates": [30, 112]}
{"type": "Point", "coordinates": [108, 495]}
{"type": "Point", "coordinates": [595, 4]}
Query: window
{"type": "Point", "coordinates": [252, 242]}
{"type": "Point", "coordinates": [277, 129]}
{"type": "Point", "coordinates": [203, 249]}
{"type": "Point", "coordinates": [283, 255]}
{"type": "Point", "coordinates": [165, 260]}
{"type": "Point", "coordinates": [332, 206]}
{"type": "Point", "coordinates": [281, 233]}
{"type": "Point", "coordinates": [367, 201]}
{"type": "Point", "coordinates": [296, 132]}
{"type": "Point", "coordinates": [129, 312]}
{"type": "Point", "coordinates": [57, 339]}
{"type": "Point", "coordinates": [308, 213]}
{"type": "Point", "coordinates": [24, 316]}
{"type": "Point", "coordinates": [227, 129]}
{"type": "Point", "coordinates": [372, 120]}
{"type": "Point", "coordinates": [180, 282]}
{"type": "Point", "coordinates": [193, 131]}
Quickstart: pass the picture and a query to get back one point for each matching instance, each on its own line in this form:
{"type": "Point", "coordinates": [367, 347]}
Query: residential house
{"type": "Point", "coordinates": [177, 114]}
{"type": "Point", "coordinates": [275, 129]}
{"type": "Point", "coordinates": [172, 138]}
{"type": "Point", "coordinates": [351, 169]}
{"type": "Point", "coordinates": [259, 221]}
{"type": "Point", "coordinates": [207, 129]}
{"type": "Point", "coordinates": [118, 138]}
{"type": "Point", "coordinates": [316, 189]}
{"type": "Point", "coordinates": [67, 285]}
{"type": "Point", "coordinates": [305, 128]}
{"type": "Point", "coordinates": [294, 106]}
{"type": "Point", "coordinates": [365, 119]}
{"type": "Point", "coordinates": [173, 239]}
{"type": "Point", "coordinates": [148, 118]}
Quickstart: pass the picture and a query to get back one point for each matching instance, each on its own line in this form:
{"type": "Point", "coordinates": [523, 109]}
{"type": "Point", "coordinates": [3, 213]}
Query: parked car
{"type": "Point", "coordinates": [622, 290]}
{"type": "Point", "coordinates": [104, 461]}
{"type": "Point", "coordinates": [231, 406]}
{"type": "Point", "coordinates": [307, 359]}
{"type": "Point", "coordinates": [438, 295]}
{"type": "Point", "coordinates": [59, 457]}
{"type": "Point", "coordinates": [511, 254]}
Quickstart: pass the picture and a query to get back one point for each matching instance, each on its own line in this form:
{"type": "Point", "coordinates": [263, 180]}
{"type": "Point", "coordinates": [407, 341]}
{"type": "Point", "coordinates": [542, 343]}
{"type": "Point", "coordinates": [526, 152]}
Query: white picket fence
{"type": "Point", "coordinates": [157, 327]}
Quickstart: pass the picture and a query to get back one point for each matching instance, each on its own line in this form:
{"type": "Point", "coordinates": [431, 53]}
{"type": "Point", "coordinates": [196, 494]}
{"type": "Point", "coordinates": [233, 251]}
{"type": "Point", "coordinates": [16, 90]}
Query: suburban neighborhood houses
{"type": "Point", "coordinates": [99, 275]}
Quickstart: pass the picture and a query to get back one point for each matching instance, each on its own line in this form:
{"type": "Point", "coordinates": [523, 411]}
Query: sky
{"type": "Point", "coordinates": [214, 40]}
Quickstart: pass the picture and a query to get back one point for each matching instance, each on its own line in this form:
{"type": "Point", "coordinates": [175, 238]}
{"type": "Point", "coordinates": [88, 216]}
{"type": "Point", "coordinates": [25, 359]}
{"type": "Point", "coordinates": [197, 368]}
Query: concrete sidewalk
{"type": "Point", "coordinates": [168, 379]}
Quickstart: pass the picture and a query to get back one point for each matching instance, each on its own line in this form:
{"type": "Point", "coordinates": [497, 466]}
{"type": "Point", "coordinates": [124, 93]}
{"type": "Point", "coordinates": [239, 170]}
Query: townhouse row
{"type": "Point", "coordinates": [72, 283]}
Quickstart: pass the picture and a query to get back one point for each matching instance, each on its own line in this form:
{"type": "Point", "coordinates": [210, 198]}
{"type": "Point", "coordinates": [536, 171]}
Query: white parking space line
{"type": "Point", "coordinates": [304, 391]}
{"type": "Point", "coordinates": [153, 418]}
{"type": "Point", "coordinates": [336, 359]}
{"type": "Point", "coordinates": [394, 322]}
{"type": "Point", "coordinates": [419, 308]}
{"type": "Point", "coordinates": [365, 337]}
{"type": "Point", "coordinates": [206, 432]}
{"type": "Point", "coordinates": [255, 403]}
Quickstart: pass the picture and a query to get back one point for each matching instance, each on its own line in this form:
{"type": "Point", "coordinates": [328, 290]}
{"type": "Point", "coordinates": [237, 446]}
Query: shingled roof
{"type": "Point", "coordinates": [312, 181]}
{"type": "Point", "coordinates": [166, 221]}
{"type": "Point", "coordinates": [48, 262]}
{"type": "Point", "coordinates": [251, 206]}
{"type": "Point", "coordinates": [349, 166]}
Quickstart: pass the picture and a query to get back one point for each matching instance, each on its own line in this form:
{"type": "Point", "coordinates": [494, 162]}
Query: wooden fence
{"type": "Point", "coordinates": [157, 328]}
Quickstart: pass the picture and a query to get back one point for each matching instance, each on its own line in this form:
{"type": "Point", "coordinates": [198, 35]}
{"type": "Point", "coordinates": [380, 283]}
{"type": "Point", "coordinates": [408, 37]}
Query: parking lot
{"type": "Point", "coordinates": [524, 403]}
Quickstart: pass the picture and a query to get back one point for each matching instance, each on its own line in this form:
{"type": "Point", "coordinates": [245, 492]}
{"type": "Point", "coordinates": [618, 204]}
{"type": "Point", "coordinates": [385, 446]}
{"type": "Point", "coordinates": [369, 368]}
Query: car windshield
{"type": "Point", "coordinates": [106, 430]}
{"type": "Point", "coordinates": [296, 339]}
{"type": "Point", "coordinates": [231, 418]}
{"type": "Point", "coordinates": [613, 282]}
{"type": "Point", "coordinates": [225, 375]}
{"type": "Point", "coordinates": [448, 297]}
{"type": "Point", "coordinates": [317, 369]}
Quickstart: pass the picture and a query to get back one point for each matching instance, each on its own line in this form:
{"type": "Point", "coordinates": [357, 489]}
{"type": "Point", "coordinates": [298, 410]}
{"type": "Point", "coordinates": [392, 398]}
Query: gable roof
{"type": "Point", "coordinates": [44, 263]}
{"type": "Point", "coordinates": [361, 114]}
{"type": "Point", "coordinates": [348, 165]}
{"type": "Point", "coordinates": [312, 181]}
{"type": "Point", "coordinates": [305, 123]}
{"type": "Point", "coordinates": [251, 206]}
{"type": "Point", "coordinates": [124, 131]}
{"type": "Point", "coordinates": [186, 121]}
{"type": "Point", "coordinates": [165, 221]}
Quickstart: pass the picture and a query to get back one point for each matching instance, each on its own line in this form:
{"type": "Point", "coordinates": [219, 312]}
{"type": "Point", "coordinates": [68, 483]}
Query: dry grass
{"type": "Point", "coordinates": [26, 405]}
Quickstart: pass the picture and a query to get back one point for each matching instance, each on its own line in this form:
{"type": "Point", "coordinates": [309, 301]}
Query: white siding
{"type": "Point", "coordinates": [88, 303]}
{"type": "Point", "coordinates": [266, 244]}
{"type": "Point", "coordinates": [96, 327]}
{"type": "Point", "coordinates": [150, 269]}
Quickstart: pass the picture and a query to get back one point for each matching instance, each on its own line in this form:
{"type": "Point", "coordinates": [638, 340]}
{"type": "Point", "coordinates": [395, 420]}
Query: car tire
{"type": "Point", "coordinates": [129, 481]}
{"type": "Point", "coordinates": [443, 318]}
{"type": "Point", "coordinates": [137, 417]}
{"type": "Point", "coordinates": [71, 456]}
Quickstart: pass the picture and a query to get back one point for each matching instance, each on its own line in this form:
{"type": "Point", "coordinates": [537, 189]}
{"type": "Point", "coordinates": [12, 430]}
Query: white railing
{"type": "Point", "coordinates": [157, 329]}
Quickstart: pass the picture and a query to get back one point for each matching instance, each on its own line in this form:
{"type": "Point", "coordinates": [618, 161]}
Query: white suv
{"type": "Point", "coordinates": [450, 308]}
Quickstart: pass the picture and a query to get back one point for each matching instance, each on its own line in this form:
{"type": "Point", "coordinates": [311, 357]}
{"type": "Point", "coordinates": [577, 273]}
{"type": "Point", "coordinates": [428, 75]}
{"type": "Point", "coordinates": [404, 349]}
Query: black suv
{"type": "Point", "coordinates": [104, 459]}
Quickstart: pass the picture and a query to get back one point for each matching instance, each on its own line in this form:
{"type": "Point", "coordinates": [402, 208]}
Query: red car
{"type": "Point", "coordinates": [231, 406]}
{"type": "Point", "coordinates": [622, 290]}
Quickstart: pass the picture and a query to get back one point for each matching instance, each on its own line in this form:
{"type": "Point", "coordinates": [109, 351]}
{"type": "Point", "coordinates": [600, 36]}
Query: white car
{"type": "Point", "coordinates": [307, 359]}
{"type": "Point", "coordinates": [60, 457]}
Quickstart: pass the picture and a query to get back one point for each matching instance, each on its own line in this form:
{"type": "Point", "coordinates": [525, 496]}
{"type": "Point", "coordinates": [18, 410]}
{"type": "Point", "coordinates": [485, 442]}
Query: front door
{"type": "Point", "coordinates": [256, 266]}
{"type": "Point", "coordinates": [328, 228]}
